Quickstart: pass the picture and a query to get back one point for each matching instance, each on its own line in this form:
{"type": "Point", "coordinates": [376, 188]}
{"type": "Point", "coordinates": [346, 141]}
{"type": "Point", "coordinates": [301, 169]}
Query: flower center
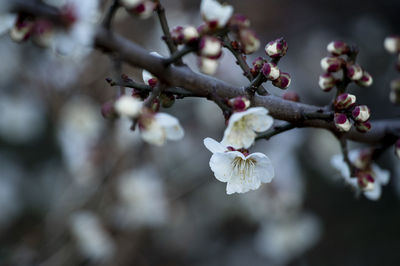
{"type": "Point", "coordinates": [243, 167]}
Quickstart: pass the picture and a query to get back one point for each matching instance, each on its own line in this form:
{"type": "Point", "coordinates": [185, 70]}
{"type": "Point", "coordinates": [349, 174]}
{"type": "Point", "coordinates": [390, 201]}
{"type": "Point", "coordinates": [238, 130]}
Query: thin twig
{"type": "Point", "coordinates": [110, 14]}
{"type": "Point", "coordinates": [165, 28]}
{"type": "Point", "coordinates": [276, 130]}
{"type": "Point", "coordinates": [255, 83]}
{"type": "Point", "coordinates": [177, 56]}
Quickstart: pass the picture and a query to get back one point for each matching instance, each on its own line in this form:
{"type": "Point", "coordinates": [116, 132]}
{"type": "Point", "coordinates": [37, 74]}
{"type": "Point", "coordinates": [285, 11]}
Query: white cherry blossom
{"type": "Point", "coordinates": [158, 128]}
{"type": "Point", "coordinates": [214, 12]}
{"type": "Point", "coordinates": [241, 172]}
{"type": "Point", "coordinates": [128, 106]}
{"type": "Point", "coordinates": [372, 190]}
{"type": "Point", "coordinates": [242, 127]}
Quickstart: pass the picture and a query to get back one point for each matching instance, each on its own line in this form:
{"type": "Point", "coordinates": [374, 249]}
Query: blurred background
{"type": "Point", "coordinates": [76, 189]}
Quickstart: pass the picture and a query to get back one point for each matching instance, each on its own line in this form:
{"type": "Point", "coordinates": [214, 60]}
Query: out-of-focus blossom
{"type": "Point", "coordinates": [242, 127]}
{"type": "Point", "coordinates": [285, 239]}
{"type": "Point", "coordinates": [208, 66]}
{"type": "Point", "coordinates": [210, 47]}
{"type": "Point", "coordinates": [395, 91]}
{"type": "Point", "coordinates": [249, 41]}
{"type": "Point", "coordinates": [22, 118]}
{"type": "Point", "coordinates": [159, 127]}
{"type": "Point", "coordinates": [143, 199]}
{"type": "Point", "coordinates": [326, 82]}
{"type": "Point", "coordinates": [241, 172]}
{"type": "Point", "coordinates": [369, 176]}
{"type": "Point", "coordinates": [128, 106]}
{"type": "Point", "coordinates": [215, 14]}
{"type": "Point", "coordinates": [332, 64]}
{"type": "Point", "coordinates": [392, 44]}
{"type": "Point", "coordinates": [93, 241]}
{"type": "Point", "coordinates": [338, 48]}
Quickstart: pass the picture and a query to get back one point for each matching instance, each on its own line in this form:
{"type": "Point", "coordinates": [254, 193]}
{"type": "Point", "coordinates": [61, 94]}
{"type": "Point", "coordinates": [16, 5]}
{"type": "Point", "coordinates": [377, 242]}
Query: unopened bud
{"type": "Point", "coordinates": [144, 10]}
{"type": "Point", "coordinates": [342, 123]}
{"type": "Point", "coordinates": [210, 47]}
{"type": "Point", "coordinates": [149, 79]}
{"type": "Point", "coordinates": [361, 113]}
{"type": "Point", "coordinates": [239, 103]}
{"type": "Point", "coordinates": [392, 44]}
{"type": "Point", "coordinates": [397, 148]}
{"type": "Point", "coordinates": [354, 71]}
{"type": "Point", "coordinates": [238, 22]}
{"type": "Point", "coordinates": [326, 81]}
{"type": "Point", "coordinates": [270, 71]}
{"type": "Point", "coordinates": [167, 100]}
{"type": "Point", "coordinates": [345, 101]}
{"type": "Point", "coordinates": [338, 48]}
{"type": "Point", "coordinates": [108, 111]}
{"type": "Point", "coordinates": [277, 48]}
{"type": "Point", "coordinates": [332, 63]}
{"type": "Point", "coordinates": [366, 80]}
{"type": "Point", "coordinates": [249, 41]}
{"type": "Point", "coordinates": [395, 91]}
{"type": "Point", "coordinates": [283, 82]}
{"type": "Point", "coordinates": [291, 96]}
{"type": "Point", "coordinates": [208, 66]}
{"type": "Point", "coordinates": [363, 126]}
{"type": "Point", "coordinates": [21, 31]}
{"type": "Point", "coordinates": [181, 35]}
{"type": "Point", "coordinates": [43, 33]}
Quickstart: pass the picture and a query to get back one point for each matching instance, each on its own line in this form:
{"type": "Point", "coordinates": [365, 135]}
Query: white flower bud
{"type": "Point", "coordinates": [366, 80]}
{"type": "Point", "coordinates": [215, 14]}
{"type": "Point", "coordinates": [392, 44]}
{"type": "Point", "coordinates": [363, 126]}
{"type": "Point", "coordinates": [345, 101]}
{"type": "Point", "coordinates": [332, 64]}
{"type": "Point", "coordinates": [361, 113]}
{"type": "Point", "coordinates": [208, 66]}
{"type": "Point", "coordinates": [354, 71]}
{"type": "Point", "coordinates": [270, 71]}
{"type": "Point", "coordinates": [277, 48]}
{"type": "Point", "coordinates": [210, 47]}
{"type": "Point", "coordinates": [342, 123]}
{"type": "Point", "coordinates": [338, 48]}
{"type": "Point", "coordinates": [326, 82]}
{"type": "Point", "coordinates": [283, 82]}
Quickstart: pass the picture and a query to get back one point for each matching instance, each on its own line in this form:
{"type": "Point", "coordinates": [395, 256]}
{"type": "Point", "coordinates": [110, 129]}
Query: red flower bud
{"type": "Point", "coordinates": [327, 82]}
{"type": "Point", "coordinates": [363, 126]}
{"type": "Point", "coordinates": [345, 101]}
{"type": "Point", "coordinates": [354, 71]}
{"type": "Point", "coordinates": [361, 113]}
{"type": "Point", "coordinates": [283, 82]}
{"type": "Point", "coordinates": [277, 48]}
{"type": "Point", "coordinates": [338, 48]}
{"type": "Point", "coordinates": [332, 63]}
{"type": "Point", "coordinates": [342, 123]}
{"type": "Point", "coordinates": [366, 80]}
{"type": "Point", "coordinates": [239, 103]}
{"type": "Point", "coordinates": [270, 71]}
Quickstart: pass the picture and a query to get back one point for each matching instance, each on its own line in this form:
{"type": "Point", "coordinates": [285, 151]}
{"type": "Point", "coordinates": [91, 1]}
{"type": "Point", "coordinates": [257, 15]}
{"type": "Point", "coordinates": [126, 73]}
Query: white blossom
{"type": "Point", "coordinates": [128, 106]}
{"type": "Point", "coordinates": [241, 172]}
{"type": "Point", "coordinates": [212, 11]}
{"type": "Point", "coordinates": [157, 128]}
{"type": "Point", "coordinates": [373, 190]}
{"type": "Point", "coordinates": [242, 127]}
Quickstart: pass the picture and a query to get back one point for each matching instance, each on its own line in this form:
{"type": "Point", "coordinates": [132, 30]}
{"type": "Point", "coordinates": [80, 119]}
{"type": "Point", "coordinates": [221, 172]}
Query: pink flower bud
{"type": "Point", "coordinates": [22, 29]}
{"type": "Point", "coordinates": [395, 91]}
{"type": "Point", "coordinates": [341, 122]}
{"type": "Point", "coordinates": [283, 82]}
{"type": "Point", "coordinates": [291, 96]}
{"type": "Point", "coordinates": [366, 80]}
{"type": "Point", "coordinates": [361, 113]}
{"type": "Point", "coordinates": [144, 10]}
{"type": "Point", "coordinates": [326, 82]}
{"type": "Point", "coordinates": [277, 48]}
{"type": "Point", "coordinates": [258, 62]}
{"type": "Point", "coordinates": [108, 111]}
{"type": "Point", "coordinates": [181, 35]}
{"type": "Point", "coordinates": [338, 48]}
{"type": "Point", "coordinates": [392, 44]}
{"type": "Point", "coordinates": [354, 71]}
{"type": "Point", "coordinates": [397, 148]}
{"type": "Point", "coordinates": [270, 71]}
{"type": "Point", "coordinates": [210, 47]}
{"type": "Point", "coordinates": [208, 66]}
{"type": "Point", "coordinates": [363, 126]}
{"type": "Point", "coordinates": [345, 101]}
{"type": "Point", "coordinates": [43, 33]}
{"type": "Point", "coordinates": [332, 64]}
{"type": "Point", "coordinates": [238, 22]}
{"type": "Point", "coordinates": [249, 41]}
{"type": "Point", "coordinates": [239, 103]}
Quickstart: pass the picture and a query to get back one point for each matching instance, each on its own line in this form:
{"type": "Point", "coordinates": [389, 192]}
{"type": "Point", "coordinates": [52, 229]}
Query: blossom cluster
{"type": "Point", "coordinates": [344, 104]}
{"type": "Point", "coordinates": [368, 177]}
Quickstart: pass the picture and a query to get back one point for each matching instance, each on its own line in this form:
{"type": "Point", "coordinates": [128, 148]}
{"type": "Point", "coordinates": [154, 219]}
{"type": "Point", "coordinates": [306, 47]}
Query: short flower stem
{"type": "Point", "coordinates": [242, 63]}
{"type": "Point", "coordinates": [277, 130]}
{"type": "Point", "coordinates": [343, 145]}
{"type": "Point", "coordinates": [175, 57]}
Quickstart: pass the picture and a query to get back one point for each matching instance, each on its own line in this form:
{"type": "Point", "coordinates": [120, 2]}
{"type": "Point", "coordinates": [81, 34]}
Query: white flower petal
{"type": "Point", "coordinates": [264, 169]}
{"type": "Point", "coordinates": [214, 146]}
{"type": "Point", "coordinates": [211, 10]}
{"type": "Point", "coordinates": [260, 120]}
{"type": "Point", "coordinates": [128, 106]}
{"type": "Point", "coordinates": [381, 176]}
{"type": "Point", "coordinates": [375, 193]}
{"type": "Point", "coordinates": [242, 184]}
{"type": "Point", "coordinates": [221, 165]}
{"type": "Point", "coordinates": [171, 126]}
{"type": "Point", "coordinates": [153, 134]}
{"type": "Point", "coordinates": [146, 75]}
